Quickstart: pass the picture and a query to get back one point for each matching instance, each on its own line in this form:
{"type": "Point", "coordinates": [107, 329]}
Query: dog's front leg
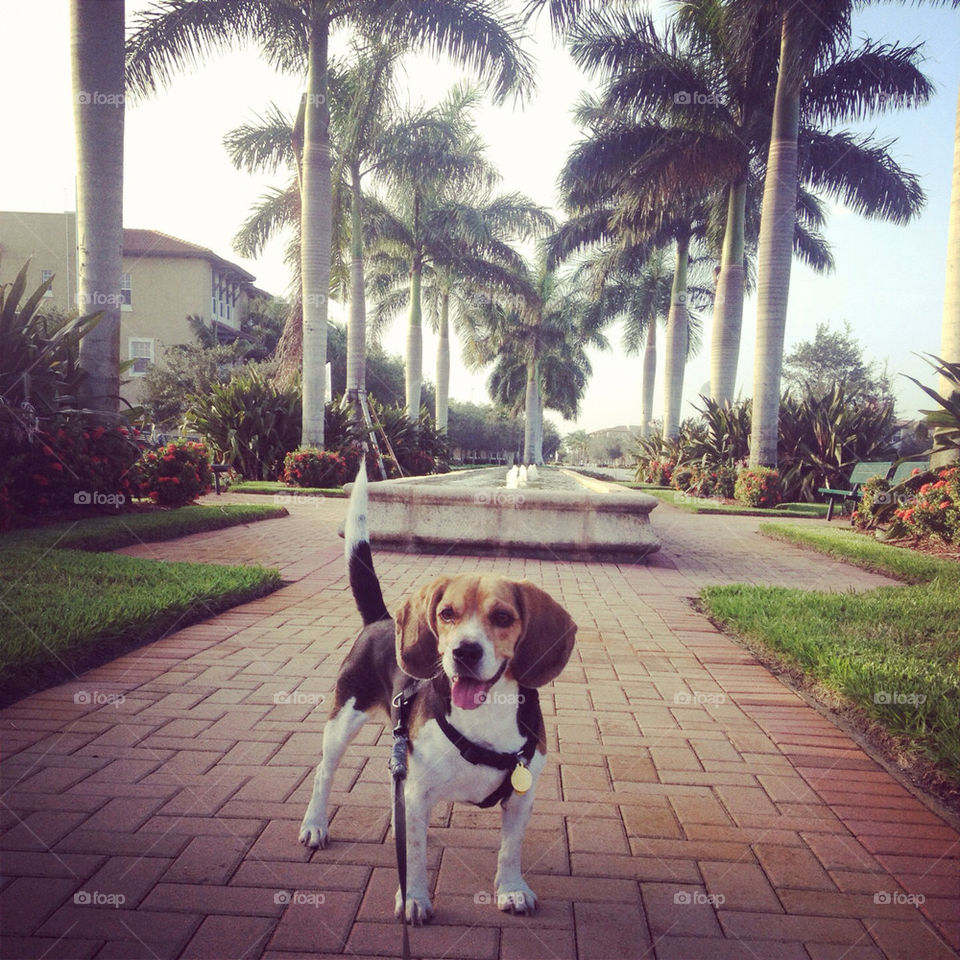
{"type": "Point", "coordinates": [513, 894]}
{"type": "Point", "coordinates": [339, 730]}
{"type": "Point", "coordinates": [418, 804]}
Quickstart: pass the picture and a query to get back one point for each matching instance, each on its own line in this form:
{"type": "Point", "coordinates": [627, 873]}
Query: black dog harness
{"type": "Point", "coordinates": [529, 706]}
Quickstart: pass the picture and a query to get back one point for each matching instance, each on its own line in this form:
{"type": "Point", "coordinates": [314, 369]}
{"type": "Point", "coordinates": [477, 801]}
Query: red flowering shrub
{"type": "Point", "coordinates": [314, 468]}
{"type": "Point", "coordinates": [418, 463]}
{"type": "Point", "coordinates": [175, 474]}
{"type": "Point", "coordinates": [685, 477]}
{"type": "Point", "coordinates": [935, 510]}
{"type": "Point", "coordinates": [658, 472]}
{"type": "Point", "coordinates": [758, 487]}
{"type": "Point", "coordinates": [717, 481]}
{"type": "Point", "coordinates": [70, 463]}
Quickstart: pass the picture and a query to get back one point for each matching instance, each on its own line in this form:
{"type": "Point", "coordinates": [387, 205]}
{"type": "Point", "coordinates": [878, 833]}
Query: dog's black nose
{"type": "Point", "coordinates": [468, 654]}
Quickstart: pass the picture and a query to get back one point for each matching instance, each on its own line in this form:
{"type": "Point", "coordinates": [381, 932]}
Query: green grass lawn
{"type": "Point", "coordinates": [64, 610]}
{"type": "Point", "coordinates": [126, 529]}
{"type": "Point", "coordinates": [692, 504]}
{"type": "Point", "coordinates": [893, 653]}
{"type": "Point", "coordinates": [276, 487]}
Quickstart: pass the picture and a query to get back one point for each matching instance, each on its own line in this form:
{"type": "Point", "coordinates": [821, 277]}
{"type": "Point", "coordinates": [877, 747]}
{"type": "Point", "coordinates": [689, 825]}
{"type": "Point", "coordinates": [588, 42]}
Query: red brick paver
{"type": "Point", "coordinates": [692, 806]}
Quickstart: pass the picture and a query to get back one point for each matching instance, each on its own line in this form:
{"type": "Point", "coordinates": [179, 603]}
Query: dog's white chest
{"type": "Point", "coordinates": [437, 767]}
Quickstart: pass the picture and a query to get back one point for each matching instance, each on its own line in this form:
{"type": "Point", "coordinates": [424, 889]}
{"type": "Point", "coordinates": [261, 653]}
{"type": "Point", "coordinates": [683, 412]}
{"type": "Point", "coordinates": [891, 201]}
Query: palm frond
{"type": "Point", "coordinates": [860, 173]}
{"type": "Point", "coordinates": [874, 78]}
{"type": "Point", "coordinates": [263, 144]}
{"type": "Point", "coordinates": [482, 35]}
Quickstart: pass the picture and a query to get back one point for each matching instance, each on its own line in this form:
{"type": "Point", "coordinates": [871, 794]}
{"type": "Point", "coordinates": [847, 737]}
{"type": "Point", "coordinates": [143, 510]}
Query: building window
{"type": "Point", "coordinates": [141, 353]}
{"type": "Point", "coordinates": [46, 275]}
{"type": "Point", "coordinates": [126, 292]}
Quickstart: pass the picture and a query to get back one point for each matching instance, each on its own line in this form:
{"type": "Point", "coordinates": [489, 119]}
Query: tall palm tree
{"type": "Point", "coordinates": [950, 331]}
{"type": "Point", "coordinates": [467, 260]}
{"type": "Point", "coordinates": [426, 227]}
{"type": "Point", "coordinates": [705, 93]}
{"type": "Point", "coordinates": [295, 34]}
{"type": "Point", "coordinates": [96, 48]}
{"type": "Point", "coordinates": [814, 42]}
{"type": "Point", "coordinates": [636, 284]}
{"type": "Point", "coordinates": [363, 136]}
{"type": "Point", "coordinates": [537, 345]}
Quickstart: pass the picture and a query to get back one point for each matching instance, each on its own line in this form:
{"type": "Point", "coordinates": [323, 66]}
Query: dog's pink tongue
{"type": "Point", "coordinates": [468, 694]}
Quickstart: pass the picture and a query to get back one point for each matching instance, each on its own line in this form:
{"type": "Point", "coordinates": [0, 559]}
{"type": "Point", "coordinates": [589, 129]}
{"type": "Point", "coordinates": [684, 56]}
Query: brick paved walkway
{"type": "Point", "coordinates": [692, 805]}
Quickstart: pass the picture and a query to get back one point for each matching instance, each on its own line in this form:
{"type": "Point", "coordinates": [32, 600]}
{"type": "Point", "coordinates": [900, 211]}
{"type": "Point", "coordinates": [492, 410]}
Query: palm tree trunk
{"type": "Point", "coordinates": [775, 252]}
{"type": "Point", "coordinates": [97, 60]}
{"type": "Point", "coordinates": [413, 380]}
{"type": "Point", "coordinates": [728, 303]}
{"type": "Point", "coordinates": [676, 345]}
{"type": "Point", "coordinates": [357, 332]}
{"type": "Point", "coordinates": [649, 377]}
{"type": "Point", "coordinates": [538, 438]}
{"type": "Point", "coordinates": [530, 413]}
{"type": "Point", "coordinates": [443, 363]}
{"type": "Point", "coordinates": [316, 220]}
{"type": "Point", "coordinates": [950, 334]}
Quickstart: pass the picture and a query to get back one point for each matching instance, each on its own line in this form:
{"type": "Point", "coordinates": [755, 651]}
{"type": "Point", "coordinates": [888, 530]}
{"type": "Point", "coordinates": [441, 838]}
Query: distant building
{"type": "Point", "coordinates": [165, 280]}
{"type": "Point", "coordinates": [613, 446]}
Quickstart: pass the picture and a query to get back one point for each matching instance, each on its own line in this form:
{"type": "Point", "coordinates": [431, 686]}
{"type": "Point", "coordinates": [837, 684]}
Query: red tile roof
{"type": "Point", "coordinates": [153, 243]}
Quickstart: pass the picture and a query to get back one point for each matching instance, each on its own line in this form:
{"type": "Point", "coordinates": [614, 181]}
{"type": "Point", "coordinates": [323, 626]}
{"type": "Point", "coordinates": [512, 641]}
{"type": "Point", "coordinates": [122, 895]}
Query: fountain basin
{"type": "Point", "coordinates": [469, 513]}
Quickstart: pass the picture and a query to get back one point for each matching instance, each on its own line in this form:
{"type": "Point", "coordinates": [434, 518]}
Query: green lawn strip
{"type": "Point", "coordinates": [846, 544]}
{"type": "Point", "coordinates": [707, 505]}
{"type": "Point", "coordinates": [892, 652]}
{"type": "Point", "coordinates": [636, 485]}
{"type": "Point", "coordinates": [126, 529]}
{"type": "Point", "coordinates": [63, 611]}
{"type": "Point", "coordinates": [275, 487]}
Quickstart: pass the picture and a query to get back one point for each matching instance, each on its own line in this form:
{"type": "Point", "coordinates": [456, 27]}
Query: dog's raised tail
{"type": "Point", "coordinates": [356, 548]}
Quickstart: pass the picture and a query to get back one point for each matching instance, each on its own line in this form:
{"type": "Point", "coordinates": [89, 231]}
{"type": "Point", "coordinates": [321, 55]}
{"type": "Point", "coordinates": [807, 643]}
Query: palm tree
{"type": "Point", "coordinates": [704, 92]}
{"type": "Point", "coordinates": [440, 159]}
{"type": "Point", "coordinates": [537, 345]}
{"type": "Point", "coordinates": [467, 260]}
{"type": "Point", "coordinates": [814, 43]}
{"type": "Point", "coordinates": [950, 331]}
{"type": "Point", "coordinates": [96, 45]}
{"type": "Point", "coordinates": [295, 34]}
{"type": "Point", "coordinates": [425, 229]}
{"type": "Point", "coordinates": [577, 443]}
{"type": "Point", "coordinates": [637, 285]}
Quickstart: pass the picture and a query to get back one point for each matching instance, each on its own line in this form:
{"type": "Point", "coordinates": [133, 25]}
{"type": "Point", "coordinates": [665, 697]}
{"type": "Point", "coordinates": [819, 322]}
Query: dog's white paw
{"type": "Point", "coordinates": [516, 897]}
{"type": "Point", "coordinates": [313, 833]}
{"type": "Point", "coordinates": [419, 907]}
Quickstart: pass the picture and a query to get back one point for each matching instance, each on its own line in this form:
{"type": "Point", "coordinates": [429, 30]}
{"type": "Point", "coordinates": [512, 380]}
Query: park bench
{"type": "Point", "coordinates": [859, 475]}
{"type": "Point", "coordinates": [905, 470]}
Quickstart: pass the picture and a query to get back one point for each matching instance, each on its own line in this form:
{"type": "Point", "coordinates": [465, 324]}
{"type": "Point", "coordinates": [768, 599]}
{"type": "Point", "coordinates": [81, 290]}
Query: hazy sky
{"type": "Point", "coordinates": [888, 283]}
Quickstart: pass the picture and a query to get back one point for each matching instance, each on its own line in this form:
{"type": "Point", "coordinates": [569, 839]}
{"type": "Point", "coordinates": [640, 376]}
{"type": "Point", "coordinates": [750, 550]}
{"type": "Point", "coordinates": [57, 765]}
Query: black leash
{"type": "Point", "coordinates": [398, 768]}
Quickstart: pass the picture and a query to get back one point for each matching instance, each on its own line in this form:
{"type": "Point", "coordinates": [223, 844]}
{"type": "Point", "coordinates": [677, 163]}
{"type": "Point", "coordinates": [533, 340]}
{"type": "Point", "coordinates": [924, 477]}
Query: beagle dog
{"type": "Point", "coordinates": [468, 654]}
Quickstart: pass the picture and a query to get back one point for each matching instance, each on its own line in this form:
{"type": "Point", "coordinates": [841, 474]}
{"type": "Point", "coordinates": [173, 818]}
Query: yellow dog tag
{"type": "Point", "coordinates": [521, 778]}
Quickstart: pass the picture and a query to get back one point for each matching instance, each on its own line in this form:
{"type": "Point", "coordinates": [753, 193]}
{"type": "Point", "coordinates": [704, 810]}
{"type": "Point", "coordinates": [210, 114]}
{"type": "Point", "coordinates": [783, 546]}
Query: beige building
{"type": "Point", "coordinates": [165, 281]}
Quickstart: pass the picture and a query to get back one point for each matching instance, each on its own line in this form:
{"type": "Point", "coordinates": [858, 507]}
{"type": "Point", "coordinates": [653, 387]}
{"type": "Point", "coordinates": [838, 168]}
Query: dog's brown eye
{"type": "Point", "coordinates": [501, 619]}
{"type": "Point", "coordinates": [447, 615]}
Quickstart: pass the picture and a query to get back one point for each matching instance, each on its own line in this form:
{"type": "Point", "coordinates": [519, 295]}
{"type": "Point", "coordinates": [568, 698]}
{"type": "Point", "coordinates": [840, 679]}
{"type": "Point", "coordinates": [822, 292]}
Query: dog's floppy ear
{"type": "Point", "coordinates": [418, 652]}
{"type": "Point", "coordinates": [546, 643]}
